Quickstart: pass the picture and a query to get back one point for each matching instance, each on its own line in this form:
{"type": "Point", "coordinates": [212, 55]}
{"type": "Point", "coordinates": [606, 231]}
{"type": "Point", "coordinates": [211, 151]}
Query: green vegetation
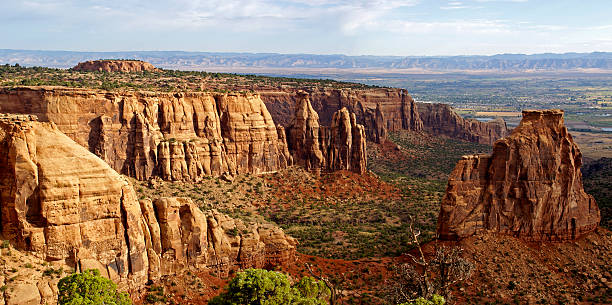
{"type": "Point", "coordinates": [89, 287]}
{"type": "Point", "coordinates": [597, 182]}
{"type": "Point", "coordinates": [354, 229]}
{"type": "Point", "coordinates": [156, 295]}
{"type": "Point", "coordinates": [262, 287]}
{"type": "Point", "coordinates": [345, 225]}
{"type": "Point", "coordinates": [422, 156]}
{"type": "Point", "coordinates": [585, 98]}
{"type": "Point", "coordinates": [119, 59]}
{"type": "Point", "coordinates": [435, 300]}
{"type": "Point", "coordinates": [163, 80]}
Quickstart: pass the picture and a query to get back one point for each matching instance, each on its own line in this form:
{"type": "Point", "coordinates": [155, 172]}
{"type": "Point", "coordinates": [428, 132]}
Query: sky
{"type": "Point", "coordinates": [358, 27]}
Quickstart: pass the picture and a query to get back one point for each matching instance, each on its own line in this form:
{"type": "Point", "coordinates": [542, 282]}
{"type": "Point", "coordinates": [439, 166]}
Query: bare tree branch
{"type": "Point", "coordinates": [434, 276]}
{"type": "Point", "coordinates": [333, 298]}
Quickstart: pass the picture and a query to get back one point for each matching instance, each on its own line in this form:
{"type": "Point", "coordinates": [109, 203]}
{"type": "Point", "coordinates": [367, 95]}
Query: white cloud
{"type": "Point", "coordinates": [349, 26]}
{"type": "Point", "coordinates": [244, 14]}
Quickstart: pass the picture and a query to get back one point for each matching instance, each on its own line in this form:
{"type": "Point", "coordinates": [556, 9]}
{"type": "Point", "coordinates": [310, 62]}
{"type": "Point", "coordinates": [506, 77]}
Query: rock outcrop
{"type": "Point", "coordinates": [341, 146]}
{"type": "Point", "coordinates": [114, 65]}
{"type": "Point", "coordinates": [176, 136]}
{"type": "Point", "coordinates": [440, 119]}
{"type": "Point", "coordinates": [378, 110]}
{"type": "Point", "coordinates": [530, 187]}
{"type": "Point", "coordinates": [384, 110]}
{"type": "Point", "coordinates": [64, 204]}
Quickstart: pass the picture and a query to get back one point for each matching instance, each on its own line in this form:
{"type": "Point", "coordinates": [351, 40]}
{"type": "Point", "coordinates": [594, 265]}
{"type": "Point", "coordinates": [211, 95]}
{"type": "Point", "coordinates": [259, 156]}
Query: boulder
{"type": "Point", "coordinates": [22, 294]}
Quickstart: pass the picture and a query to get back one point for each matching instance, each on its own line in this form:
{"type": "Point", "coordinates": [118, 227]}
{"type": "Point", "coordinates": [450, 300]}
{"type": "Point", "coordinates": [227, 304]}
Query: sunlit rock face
{"type": "Point", "coordinates": [379, 110]}
{"type": "Point", "coordinates": [340, 146]}
{"type": "Point", "coordinates": [114, 66]}
{"type": "Point", "coordinates": [64, 204]}
{"type": "Point", "coordinates": [530, 186]}
{"type": "Point", "coordinates": [440, 119]}
{"type": "Point", "coordinates": [176, 136]}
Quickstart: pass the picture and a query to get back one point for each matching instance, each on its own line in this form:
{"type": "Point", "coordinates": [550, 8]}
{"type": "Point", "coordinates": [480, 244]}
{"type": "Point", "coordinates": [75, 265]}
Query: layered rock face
{"type": "Point", "coordinates": [180, 136]}
{"type": "Point", "coordinates": [64, 204]}
{"type": "Point", "coordinates": [114, 66]}
{"type": "Point", "coordinates": [341, 146]}
{"type": "Point", "coordinates": [384, 110]}
{"type": "Point", "coordinates": [378, 110]}
{"type": "Point", "coordinates": [440, 119]}
{"type": "Point", "coordinates": [530, 187]}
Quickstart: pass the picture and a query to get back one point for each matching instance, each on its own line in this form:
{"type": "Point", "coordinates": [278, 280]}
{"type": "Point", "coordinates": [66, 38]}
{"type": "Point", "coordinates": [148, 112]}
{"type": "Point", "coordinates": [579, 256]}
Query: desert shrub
{"type": "Point", "coordinates": [262, 287]}
{"type": "Point", "coordinates": [434, 300]}
{"type": "Point", "coordinates": [88, 288]}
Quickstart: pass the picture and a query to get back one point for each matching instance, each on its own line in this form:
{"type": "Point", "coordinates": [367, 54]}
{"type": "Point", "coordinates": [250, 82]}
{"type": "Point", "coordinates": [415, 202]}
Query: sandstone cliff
{"type": "Point", "coordinates": [116, 65]}
{"type": "Point", "coordinates": [440, 119]}
{"type": "Point", "coordinates": [531, 186]}
{"type": "Point", "coordinates": [326, 148]}
{"type": "Point", "coordinates": [378, 110]}
{"type": "Point", "coordinates": [65, 205]}
{"type": "Point", "coordinates": [177, 136]}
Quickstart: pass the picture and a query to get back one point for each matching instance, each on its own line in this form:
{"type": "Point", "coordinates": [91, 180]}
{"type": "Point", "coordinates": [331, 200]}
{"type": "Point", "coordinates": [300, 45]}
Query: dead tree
{"type": "Point", "coordinates": [333, 288]}
{"type": "Point", "coordinates": [434, 276]}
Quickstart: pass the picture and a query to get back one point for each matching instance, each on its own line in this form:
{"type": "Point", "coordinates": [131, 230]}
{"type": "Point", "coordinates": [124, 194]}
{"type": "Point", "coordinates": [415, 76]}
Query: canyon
{"type": "Point", "coordinates": [529, 187]}
{"type": "Point", "coordinates": [213, 169]}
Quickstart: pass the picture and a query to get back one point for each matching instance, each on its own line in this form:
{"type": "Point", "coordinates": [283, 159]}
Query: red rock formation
{"type": "Point", "coordinates": [181, 136]}
{"type": "Point", "coordinates": [385, 110]}
{"type": "Point", "coordinates": [531, 186]}
{"type": "Point", "coordinates": [303, 135]}
{"type": "Point", "coordinates": [114, 65]}
{"type": "Point", "coordinates": [339, 146]}
{"type": "Point", "coordinates": [378, 110]}
{"type": "Point", "coordinates": [440, 119]}
{"type": "Point", "coordinates": [66, 205]}
{"type": "Point", "coordinates": [346, 147]}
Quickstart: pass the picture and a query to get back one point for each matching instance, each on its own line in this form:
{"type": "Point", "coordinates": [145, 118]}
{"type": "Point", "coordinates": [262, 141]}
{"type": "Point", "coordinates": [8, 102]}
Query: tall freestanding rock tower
{"type": "Point", "coordinates": [530, 187]}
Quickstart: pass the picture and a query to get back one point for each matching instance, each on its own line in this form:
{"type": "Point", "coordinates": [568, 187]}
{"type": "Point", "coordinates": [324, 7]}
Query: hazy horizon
{"type": "Point", "coordinates": [302, 53]}
{"type": "Point", "coordinates": [332, 27]}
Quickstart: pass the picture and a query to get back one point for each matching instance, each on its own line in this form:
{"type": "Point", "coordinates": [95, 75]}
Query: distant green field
{"type": "Point", "coordinates": [585, 97]}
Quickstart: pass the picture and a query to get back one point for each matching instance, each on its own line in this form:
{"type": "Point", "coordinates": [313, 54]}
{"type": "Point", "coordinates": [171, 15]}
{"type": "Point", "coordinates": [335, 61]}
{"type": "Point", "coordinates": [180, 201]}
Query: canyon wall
{"type": "Point", "coordinates": [440, 119]}
{"type": "Point", "coordinates": [65, 205]}
{"type": "Point", "coordinates": [177, 136]}
{"type": "Point", "coordinates": [383, 110]}
{"type": "Point", "coordinates": [530, 187]}
{"type": "Point", "coordinates": [185, 136]}
{"type": "Point", "coordinates": [378, 110]}
{"type": "Point", "coordinates": [339, 146]}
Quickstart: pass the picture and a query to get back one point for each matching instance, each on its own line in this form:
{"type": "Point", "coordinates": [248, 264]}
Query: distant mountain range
{"type": "Point", "coordinates": [204, 60]}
